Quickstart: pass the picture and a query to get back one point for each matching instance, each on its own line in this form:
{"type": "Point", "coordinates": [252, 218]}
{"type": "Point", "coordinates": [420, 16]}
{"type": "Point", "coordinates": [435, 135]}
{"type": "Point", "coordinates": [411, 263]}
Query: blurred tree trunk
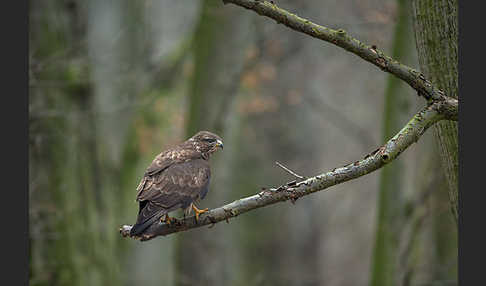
{"type": "Point", "coordinates": [191, 256]}
{"type": "Point", "coordinates": [205, 43]}
{"type": "Point", "coordinates": [201, 255]}
{"type": "Point", "coordinates": [391, 200]}
{"type": "Point", "coordinates": [435, 24]}
{"type": "Point", "coordinates": [77, 137]}
{"type": "Point", "coordinates": [62, 153]}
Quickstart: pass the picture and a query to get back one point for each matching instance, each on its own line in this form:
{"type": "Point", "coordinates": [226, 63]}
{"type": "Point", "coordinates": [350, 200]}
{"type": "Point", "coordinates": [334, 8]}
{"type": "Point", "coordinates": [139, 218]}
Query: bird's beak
{"type": "Point", "coordinates": [219, 143]}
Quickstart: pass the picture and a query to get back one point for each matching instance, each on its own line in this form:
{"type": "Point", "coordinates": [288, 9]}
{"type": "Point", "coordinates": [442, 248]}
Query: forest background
{"type": "Point", "coordinates": [113, 83]}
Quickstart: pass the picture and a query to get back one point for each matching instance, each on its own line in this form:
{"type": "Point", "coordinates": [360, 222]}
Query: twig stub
{"type": "Point", "coordinates": [290, 171]}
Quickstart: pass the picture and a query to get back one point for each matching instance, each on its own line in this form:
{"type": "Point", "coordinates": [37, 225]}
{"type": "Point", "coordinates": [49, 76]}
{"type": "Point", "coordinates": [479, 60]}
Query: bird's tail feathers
{"type": "Point", "coordinates": [146, 217]}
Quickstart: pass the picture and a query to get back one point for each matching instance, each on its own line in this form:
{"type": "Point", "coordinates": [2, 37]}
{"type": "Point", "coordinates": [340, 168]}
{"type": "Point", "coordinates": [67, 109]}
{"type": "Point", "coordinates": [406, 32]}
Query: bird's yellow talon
{"type": "Point", "coordinates": [198, 211]}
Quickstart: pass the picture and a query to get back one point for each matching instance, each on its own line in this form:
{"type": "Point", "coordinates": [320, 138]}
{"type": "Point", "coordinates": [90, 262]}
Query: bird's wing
{"type": "Point", "coordinates": [175, 187]}
{"type": "Point", "coordinates": [171, 156]}
{"type": "Point", "coordinates": [177, 182]}
{"type": "Point", "coordinates": [162, 161]}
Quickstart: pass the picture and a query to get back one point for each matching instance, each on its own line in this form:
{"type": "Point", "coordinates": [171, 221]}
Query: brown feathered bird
{"type": "Point", "coordinates": [177, 178]}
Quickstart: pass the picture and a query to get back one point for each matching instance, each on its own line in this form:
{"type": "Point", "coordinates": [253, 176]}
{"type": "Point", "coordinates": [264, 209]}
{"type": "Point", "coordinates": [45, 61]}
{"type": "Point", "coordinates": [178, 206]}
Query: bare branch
{"type": "Point", "coordinates": [409, 134]}
{"type": "Point", "coordinates": [341, 39]}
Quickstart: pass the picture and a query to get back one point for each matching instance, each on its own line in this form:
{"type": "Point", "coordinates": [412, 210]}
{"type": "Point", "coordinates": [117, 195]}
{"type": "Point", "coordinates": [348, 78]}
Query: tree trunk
{"type": "Point", "coordinates": [78, 186]}
{"type": "Point", "coordinates": [435, 24]}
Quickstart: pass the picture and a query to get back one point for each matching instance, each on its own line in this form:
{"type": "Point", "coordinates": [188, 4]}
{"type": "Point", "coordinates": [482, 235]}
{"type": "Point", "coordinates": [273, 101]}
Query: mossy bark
{"type": "Point", "coordinates": [435, 23]}
{"type": "Point", "coordinates": [76, 187]}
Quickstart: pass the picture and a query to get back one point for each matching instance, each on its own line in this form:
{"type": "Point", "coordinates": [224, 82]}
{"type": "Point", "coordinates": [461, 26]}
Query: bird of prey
{"type": "Point", "coordinates": [177, 178]}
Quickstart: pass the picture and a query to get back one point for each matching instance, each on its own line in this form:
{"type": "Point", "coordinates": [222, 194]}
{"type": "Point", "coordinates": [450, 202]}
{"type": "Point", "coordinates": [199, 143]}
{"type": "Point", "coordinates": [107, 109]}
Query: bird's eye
{"type": "Point", "coordinates": [209, 139]}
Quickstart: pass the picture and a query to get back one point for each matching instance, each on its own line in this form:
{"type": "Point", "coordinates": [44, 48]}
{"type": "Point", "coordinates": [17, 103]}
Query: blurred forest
{"type": "Point", "coordinates": [113, 83]}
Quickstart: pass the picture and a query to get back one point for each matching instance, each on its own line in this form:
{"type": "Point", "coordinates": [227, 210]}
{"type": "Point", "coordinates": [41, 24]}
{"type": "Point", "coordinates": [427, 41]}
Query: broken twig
{"type": "Point", "coordinates": [290, 171]}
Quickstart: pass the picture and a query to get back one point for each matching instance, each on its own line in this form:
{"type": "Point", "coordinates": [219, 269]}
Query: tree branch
{"type": "Point", "coordinates": [341, 39]}
{"type": "Point", "coordinates": [409, 134]}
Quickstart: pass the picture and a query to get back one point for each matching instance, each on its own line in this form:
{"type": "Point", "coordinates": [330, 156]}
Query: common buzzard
{"type": "Point", "coordinates": [177, 178]}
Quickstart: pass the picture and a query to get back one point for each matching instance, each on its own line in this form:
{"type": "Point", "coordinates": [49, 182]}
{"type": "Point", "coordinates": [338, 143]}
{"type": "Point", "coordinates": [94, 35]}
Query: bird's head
{"type": "Point", "coordinates": [206, 142]}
